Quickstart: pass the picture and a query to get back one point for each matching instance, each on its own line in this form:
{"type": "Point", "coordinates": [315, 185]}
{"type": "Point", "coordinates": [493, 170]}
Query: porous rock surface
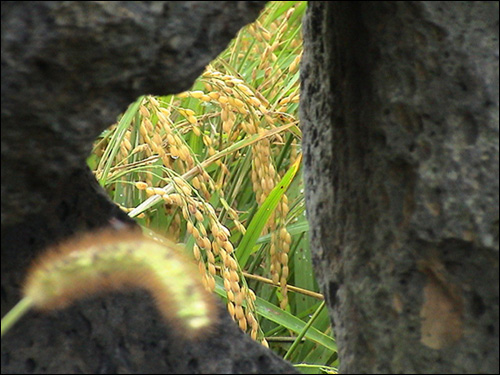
{"type": "Point", "coordinates": [68, 70]}
{"type": "Point", "coordinates": [399, 111]}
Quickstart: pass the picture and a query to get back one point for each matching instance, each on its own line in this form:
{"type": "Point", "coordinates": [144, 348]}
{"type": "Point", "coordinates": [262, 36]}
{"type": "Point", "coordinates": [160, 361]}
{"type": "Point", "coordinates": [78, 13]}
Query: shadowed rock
{"type": "Point", "coordinates": [399, 111]}
{"type": "Point", "coordinates": [68, 70]}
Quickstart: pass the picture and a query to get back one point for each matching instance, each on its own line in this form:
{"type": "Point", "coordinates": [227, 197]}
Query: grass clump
{"type": "Point", "coordinates": [217, 168]}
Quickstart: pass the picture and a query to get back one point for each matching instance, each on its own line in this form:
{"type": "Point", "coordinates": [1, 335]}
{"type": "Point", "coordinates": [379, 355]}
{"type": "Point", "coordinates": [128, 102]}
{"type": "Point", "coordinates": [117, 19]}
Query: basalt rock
{"type": "Point", "coordinates": [68, 70]}
{"type": "Point", "coordinates": [399, 111]}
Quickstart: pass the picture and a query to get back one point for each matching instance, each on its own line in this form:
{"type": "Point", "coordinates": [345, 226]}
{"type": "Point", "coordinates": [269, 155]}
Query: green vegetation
{"type": "Point", "coordinates": [218, 169]}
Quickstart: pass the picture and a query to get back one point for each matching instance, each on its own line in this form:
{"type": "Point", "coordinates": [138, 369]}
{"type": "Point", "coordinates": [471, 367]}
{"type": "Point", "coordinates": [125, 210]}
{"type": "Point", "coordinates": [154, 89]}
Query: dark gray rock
{"type": "Point", "coordinates": [400, 121]}
{"type": "Point", "coordinates": [68, 70]}
{"type": "Point", "coordinates": [123, 333]}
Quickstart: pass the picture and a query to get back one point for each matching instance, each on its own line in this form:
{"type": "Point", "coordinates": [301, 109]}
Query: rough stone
{"type": "Point", "coordinates": [399, 110]}
{"type": "Point", "coordinates": [68, 70]}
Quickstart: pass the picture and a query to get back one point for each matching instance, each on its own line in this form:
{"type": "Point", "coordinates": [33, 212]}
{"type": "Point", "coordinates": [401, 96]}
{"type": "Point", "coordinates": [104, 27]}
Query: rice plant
{"type": "Point", "coordinates": [217, 168]}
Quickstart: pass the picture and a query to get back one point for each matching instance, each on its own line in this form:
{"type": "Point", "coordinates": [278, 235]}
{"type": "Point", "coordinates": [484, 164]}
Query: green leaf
{"type": "Point", "coordinates": [114, 144]}
{"type": "Point", "coordinates": [294, 230]}
{"type": "Point", "coordinates": [285, 319]}
{"type": "Point", "coordinates": [245, 248]}
{"type": "Point", "coordinates": [293, 323]}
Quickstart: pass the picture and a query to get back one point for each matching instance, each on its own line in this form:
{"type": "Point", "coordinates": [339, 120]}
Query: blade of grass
{"type": "Point", "coordinates": [285, 319]}
{"type": "Point", "coordinates": [304, 331]}
{"type": "Point", "coordinates": [114, 144]}
{"type": "Point", "coordinates": [294, 230]}
{"type": "Point", "coordinates": [245, 248]}
{"type": "Point", "coordinates": [303, 272]}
